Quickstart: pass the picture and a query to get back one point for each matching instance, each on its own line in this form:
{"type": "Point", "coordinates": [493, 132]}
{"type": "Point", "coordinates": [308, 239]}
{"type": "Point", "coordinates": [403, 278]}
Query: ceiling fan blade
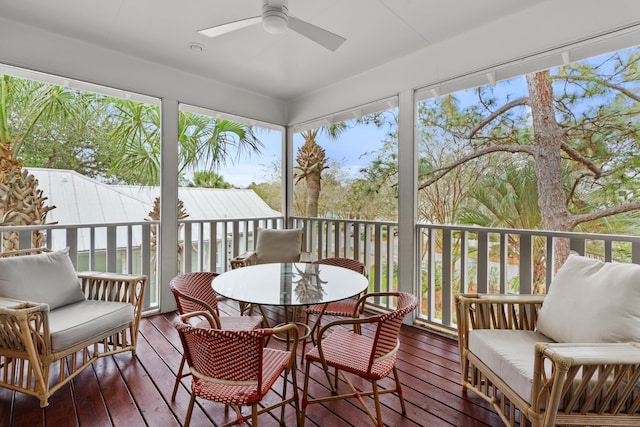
{"type": "Point", "coordinates": [231, 26]}
{"type": "Point", "coordinates": [319, 35]}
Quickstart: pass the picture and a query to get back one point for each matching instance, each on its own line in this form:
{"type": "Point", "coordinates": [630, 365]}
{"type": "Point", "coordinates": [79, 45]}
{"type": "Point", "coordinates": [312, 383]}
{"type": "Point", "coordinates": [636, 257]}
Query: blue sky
{"type": "Point", "coordinates": [349, 151]}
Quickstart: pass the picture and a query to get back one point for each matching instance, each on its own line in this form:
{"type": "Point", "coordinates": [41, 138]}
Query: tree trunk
{"type": "Point", "coordinates": [311, 161]}
{"type": "Point", "coordinates": [552, 200]}
{"type": "Point", "coordinates": [313, 194]}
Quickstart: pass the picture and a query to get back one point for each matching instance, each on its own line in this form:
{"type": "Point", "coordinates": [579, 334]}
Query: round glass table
{"type": "Point", "coordinates": [289, 285]}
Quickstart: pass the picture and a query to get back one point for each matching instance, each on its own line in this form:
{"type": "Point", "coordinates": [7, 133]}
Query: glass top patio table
{"type": "Point", "coordinates": [289, 284]}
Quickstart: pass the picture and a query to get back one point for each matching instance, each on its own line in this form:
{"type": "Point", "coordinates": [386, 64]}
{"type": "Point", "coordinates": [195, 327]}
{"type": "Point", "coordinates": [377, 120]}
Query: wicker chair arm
{"type": "Point", "coordinates": [214, 321]}
{"type": "Point", "coordinates": [291, 331]}
{"type": "Point", "coordinates": [613, 390]}
{"type": "Point", "coordinates": [306, 256]}
{"type": "Point", "coordinates": [115, 287]}
{"type": "Point", "coordinates": [341, 322]}
{"type": "Point", "coordinates": [496, 311]}
{"type": "Point", "coordinates": [24, 329]}
{"type": "Point", "coordinates": [244, 260]}
{"type": "Point", "coordinates": [362, 301]}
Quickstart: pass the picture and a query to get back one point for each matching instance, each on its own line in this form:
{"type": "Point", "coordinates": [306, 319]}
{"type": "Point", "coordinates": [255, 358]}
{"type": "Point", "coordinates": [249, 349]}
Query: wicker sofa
{"type": "Point", "coordinates": [55, 322]}
{"type": "Point", "coordinates": [571, 357]}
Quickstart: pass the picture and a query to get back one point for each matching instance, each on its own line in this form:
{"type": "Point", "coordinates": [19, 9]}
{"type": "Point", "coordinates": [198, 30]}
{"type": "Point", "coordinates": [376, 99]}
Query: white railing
{"type": "Point", "coordinates": [450, 259]}
{"type": "Point", "coordinates": [115, 247]}
{"type": "Point", "coordinates": [485, 260]}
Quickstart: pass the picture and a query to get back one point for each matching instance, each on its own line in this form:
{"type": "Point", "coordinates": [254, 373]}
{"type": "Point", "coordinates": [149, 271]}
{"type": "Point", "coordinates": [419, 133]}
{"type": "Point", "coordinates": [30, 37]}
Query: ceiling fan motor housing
{"type": "Point", "coordinates": [275, 19]}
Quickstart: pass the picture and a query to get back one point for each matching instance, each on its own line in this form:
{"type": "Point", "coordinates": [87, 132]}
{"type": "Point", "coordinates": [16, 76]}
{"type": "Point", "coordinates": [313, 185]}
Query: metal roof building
{"type": "Point", "coordinates": [80, 200]}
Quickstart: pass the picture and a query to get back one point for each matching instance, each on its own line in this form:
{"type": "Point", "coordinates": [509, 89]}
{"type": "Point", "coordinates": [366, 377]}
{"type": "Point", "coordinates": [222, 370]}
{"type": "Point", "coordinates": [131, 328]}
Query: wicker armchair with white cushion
{"type": "Point", "coordinates": [571, 357]}
{"type": "Point", "coordinates": [55, 322]}
{"type": "Point", "coordinates": [370, 358]}
{"type": "Point", "coordinates": [234, 368]}
{"type": "Point", "coordinates": [272, 245]}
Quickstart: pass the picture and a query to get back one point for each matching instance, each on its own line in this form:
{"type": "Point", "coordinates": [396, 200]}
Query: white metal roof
{"type": "Point", "coordinates": [208, 203]}
{"type": "Point", "coordinates": [82, 200]}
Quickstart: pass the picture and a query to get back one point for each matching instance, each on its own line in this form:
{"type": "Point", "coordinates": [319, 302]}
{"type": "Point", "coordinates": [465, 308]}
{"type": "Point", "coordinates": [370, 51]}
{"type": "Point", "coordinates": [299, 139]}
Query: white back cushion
{"type": "Point", "coordinates": [48, 277]}
{"type": "Point", "coordinates": [278, 245]}
{"type": "Point", "coordinates": [592, 301]}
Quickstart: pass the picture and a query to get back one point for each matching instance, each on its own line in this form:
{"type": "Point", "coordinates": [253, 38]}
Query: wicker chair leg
{"type": "Point", "coordinates": [187, 420]}
{"type": "Point", "coordinates": [254, 414]}
{"type": "Point", "coordinates": [399, 391]}
{"type": "Point", "coordinates": [376, 399]}
{"type": "Point", "coordinates": [296, 397]}
{"type": "Point", "coordinates": [179, 376]}
{"type": "Point", "coordinates": [284, 396]}
{"type": "Point", "coordinates": [303, 411]}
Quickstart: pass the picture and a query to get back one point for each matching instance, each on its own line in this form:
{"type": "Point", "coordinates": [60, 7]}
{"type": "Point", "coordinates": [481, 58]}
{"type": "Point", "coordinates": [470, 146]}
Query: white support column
{"type": "Point", "coordinates": [287, 174]}
{"type": "Point", "coordinates": [407, 195]}
{"type": "Point", "coordinates": [168, 234]}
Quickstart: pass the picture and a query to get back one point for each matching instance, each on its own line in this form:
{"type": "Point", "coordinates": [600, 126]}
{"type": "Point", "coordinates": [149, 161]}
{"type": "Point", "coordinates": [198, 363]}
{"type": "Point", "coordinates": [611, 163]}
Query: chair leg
{"type": "Point", "coordinates": [376, 399]}
{"type": "Point", "coordinates": [399, 391]}
{"type": "Point", "coordinates": [265, 319]}
{"type": "Point", "coordinates": [187, 420]}
{"type": "Point", "coordinates": [284, 397]}
{"type": "Point", "coordinates": [254, 414]}
{"type": "Point", "coordinates": [296, 397]}
{"type": "Point", "coordinates": [303, 411]}
{"type": "Point", "coordinates": [178, 378]}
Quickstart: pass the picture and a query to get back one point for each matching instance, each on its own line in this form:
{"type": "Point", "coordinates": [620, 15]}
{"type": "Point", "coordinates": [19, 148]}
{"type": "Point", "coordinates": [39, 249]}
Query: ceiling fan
{"type": "Point", "coordinates": [275, 19]}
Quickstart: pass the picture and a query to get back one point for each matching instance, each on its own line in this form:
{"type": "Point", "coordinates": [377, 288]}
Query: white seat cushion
{"type": "Point", "coordinates": [509, 354]}
{"type": "Point", "coordinates": [48, 278]}
{"type": "Point", "coordinates": [76, 323]}
{"type": "Point", "coordinates": [592, 301]}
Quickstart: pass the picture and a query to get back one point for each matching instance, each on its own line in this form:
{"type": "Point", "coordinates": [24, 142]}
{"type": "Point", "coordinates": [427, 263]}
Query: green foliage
{"type": "Point", "coordinates": [113, 139]}
{"type": "Point", "coordinates": [597, 105]}
{"type": "Point", "coordinates": [208, 179]}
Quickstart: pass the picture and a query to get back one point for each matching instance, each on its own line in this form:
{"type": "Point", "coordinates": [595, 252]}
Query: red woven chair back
{"type": "Point", "coordinates": [193, 292]}
{"type": "Point", "coordinates": [388, 327]}
{"type": "Point", "coordinates": [224, 355]}
{"type": "Point", "coordinates": [351, 264]}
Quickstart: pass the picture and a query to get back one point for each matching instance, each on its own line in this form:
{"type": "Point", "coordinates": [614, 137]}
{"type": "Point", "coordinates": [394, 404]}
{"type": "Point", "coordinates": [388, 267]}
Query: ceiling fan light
{"type": "Point", "coordinates": [275, 21]}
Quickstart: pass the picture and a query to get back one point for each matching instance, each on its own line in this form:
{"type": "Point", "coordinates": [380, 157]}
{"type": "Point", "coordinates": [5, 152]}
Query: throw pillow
{"type": "Point", "coordinates": [278, 245]}
{"type": "Point", "coordinates": [48, 277]}
{"type": "Point", "coordinates": [592, 301]}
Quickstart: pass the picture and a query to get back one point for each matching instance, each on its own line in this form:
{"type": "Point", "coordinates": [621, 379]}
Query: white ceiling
{"type": "Point", "coordinates": [287, 71]}
{"type": "Point", "coordinates": [283, 66]}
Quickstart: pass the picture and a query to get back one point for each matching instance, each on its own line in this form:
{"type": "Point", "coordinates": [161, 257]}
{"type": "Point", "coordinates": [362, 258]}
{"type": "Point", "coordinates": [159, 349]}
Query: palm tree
{"type": "Point", "coordinates": [23, 104]}
{"type": "Point", "coordinates": [208, 179]}
{"type": "Point", "coordinates": [204, 141]}
{"type": "Point", "coordinates": [311, 161]}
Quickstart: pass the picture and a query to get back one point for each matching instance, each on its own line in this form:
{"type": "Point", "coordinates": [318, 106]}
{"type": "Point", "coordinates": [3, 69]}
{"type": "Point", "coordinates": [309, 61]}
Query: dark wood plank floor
{"type": "Point", "coordinates": [135, 391]}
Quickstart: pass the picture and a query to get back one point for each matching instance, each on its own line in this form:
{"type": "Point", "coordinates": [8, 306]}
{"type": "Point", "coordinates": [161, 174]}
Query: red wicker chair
{"type": "Point", "coordinates": [369, 358]}
{"type": "Point", "coordinates": [193, 292]}
{"type": "Point", "coordinates": [343, 308]}
{"type": "Point", "coordinates": [235, 368]}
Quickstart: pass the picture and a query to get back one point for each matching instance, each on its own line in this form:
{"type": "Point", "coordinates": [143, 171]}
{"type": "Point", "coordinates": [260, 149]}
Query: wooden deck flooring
{"type": "Point", "coordinates": [122, 390]}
